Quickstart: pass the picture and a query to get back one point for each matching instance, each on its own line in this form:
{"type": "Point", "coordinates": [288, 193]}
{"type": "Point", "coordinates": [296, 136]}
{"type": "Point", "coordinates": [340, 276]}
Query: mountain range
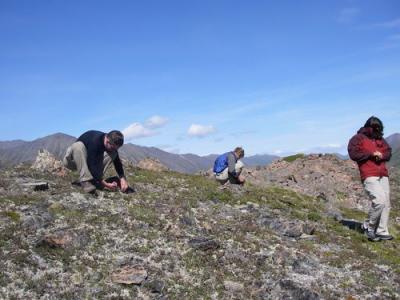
{"type": "Point", "coordinates": [394, 142]}
{"type": "Point", "coordinates": [19, 151]}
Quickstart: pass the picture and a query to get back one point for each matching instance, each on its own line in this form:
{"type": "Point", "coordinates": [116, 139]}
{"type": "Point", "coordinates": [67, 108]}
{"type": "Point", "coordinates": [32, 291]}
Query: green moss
{"type": "Point", "coordinates": [341, 196]}
{"type": "Point", "coordinates": [314, 216]}
{"type": "Point", "coordinates": [336, 261]}
{"type": "Point", "coordinates": [354, 214]}
{"type": "Point", "coordinates": [144, 176]}
{"type": "Point", "coordinates": [370, 280]}
{"type": "Point", "coordinates": [58, 254]}
{"type": "Point", "coordinates": [387, 252]}
{"type": "Point", "coordinates": [292, 158]}
{"type": "Point", "coordinates": [223, 196]}
{"type": "Point", "coordinates": [12, 215]}
{"type": "Point", "coordinates": [73, 215]}
{"type": "Point", "coordinates": [56, 208]}
{"type": "Point", "coordinates": [21, 199]}
{"type": "Point", "coordinates": [7, 234]}
{"type": "Point", "coordinates": [142, 213]}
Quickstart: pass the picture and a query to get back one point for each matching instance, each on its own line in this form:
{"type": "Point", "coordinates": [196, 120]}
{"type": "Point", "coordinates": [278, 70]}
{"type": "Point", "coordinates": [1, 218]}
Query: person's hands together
{"type": "Point", "coordinates": [111, 186]}
{"type": "Point", "coordinates": [378, 155]}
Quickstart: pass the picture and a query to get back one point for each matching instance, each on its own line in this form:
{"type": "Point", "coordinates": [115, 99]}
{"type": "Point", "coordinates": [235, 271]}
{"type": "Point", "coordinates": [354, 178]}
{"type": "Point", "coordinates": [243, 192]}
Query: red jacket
{"type": "Point", "coordinates": [361, 146]}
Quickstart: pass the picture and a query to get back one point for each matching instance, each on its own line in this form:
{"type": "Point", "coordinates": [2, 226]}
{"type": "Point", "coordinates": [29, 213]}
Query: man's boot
{"type": "Point", "coordinates": [88, 187]}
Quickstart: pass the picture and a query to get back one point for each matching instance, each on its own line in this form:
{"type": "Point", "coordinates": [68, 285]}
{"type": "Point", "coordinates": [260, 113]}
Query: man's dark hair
{"type": "Point", "coordinates": [376, 125]}
{"type": "Point", "coordinates": [116, 138]}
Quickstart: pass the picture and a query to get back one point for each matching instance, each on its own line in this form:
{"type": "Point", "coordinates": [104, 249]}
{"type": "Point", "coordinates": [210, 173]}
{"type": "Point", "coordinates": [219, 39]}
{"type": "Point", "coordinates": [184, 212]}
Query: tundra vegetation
{"type": "Point", "coordinates": [188, 238]}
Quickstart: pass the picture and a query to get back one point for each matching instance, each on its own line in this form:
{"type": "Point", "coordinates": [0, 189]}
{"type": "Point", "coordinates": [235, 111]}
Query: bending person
{"type": "Point", "coordinates": [228, 166]}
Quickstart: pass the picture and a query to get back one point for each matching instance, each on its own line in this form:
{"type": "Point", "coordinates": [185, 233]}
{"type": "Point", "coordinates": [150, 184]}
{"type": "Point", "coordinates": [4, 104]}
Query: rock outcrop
{"type": "Point", "coordinates": [152, 164]}
{"type": "Point", "coordinates": [46, 162]}
{"type": "Point", "coordinates": [326, 176]}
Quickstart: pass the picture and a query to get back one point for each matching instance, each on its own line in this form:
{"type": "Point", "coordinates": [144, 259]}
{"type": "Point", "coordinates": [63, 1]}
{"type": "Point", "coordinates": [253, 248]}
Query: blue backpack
{"type": "Point", "coordinates": [221, 163]}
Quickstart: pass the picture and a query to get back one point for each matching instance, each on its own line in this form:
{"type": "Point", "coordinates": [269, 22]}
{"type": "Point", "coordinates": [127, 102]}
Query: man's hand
{"type": "Point", "coordinates": [241, 179]}
{"type": "Point", "coordinates": [378, 155]}
{"type": "Point", "coordinates": [111, 186]}
{"type": "Point", "coordinates": [124, 184]}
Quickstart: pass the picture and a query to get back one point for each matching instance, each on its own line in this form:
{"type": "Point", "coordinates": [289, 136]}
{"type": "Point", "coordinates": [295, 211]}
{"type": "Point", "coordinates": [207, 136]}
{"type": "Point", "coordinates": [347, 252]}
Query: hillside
{"type": "Point", "coordinates": [15, 152]}
{"type": "Point", "coordinates": [185, 237]}
{"type": "Point", "coordinates": [394, 142]}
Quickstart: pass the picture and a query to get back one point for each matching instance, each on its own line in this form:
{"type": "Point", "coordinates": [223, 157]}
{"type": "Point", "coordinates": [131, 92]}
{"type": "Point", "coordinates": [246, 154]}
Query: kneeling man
{"type": "Point", "coordinates": [92, 154]}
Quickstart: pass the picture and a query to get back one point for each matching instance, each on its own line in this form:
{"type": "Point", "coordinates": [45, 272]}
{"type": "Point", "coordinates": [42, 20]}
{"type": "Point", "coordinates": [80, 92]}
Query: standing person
{"type": "Point", "coordinates": [228, 166]}
{"type": "Point", "coordinates": [369, 149]}
{"type": "Point", "coordinates": [92, 154]}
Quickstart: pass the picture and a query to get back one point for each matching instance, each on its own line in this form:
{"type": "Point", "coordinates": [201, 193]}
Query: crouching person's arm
{"type": "Point", "coordinates": [120, 171]}
{"type": "Point", "coordinates": [235, 168]}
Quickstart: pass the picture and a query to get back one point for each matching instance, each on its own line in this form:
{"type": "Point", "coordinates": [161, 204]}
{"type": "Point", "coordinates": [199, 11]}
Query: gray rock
{"type": "Point", "coordinates": [36, 186]}
{"type": "Point", "coordinates": [155, 286]}
{"type": "Point", "coordinates": [129, 275]}
{"type": "Point", "coordinates": [294, 291]}
{"type": "Point", "coordinates": [204, 244]}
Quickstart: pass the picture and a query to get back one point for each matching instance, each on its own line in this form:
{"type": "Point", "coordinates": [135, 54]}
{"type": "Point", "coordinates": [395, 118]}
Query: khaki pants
{"type": "Point", "coordinates": [224, 175]}
{"type": "Point", "coordinates": [379, 194]}
{"type": "Point", "coordinates": [76, 159]}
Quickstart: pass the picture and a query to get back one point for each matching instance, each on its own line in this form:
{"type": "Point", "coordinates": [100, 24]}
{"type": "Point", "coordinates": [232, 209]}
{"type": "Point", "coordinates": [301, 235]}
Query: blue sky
{"type": "Point", "coordinates": [201, 76]}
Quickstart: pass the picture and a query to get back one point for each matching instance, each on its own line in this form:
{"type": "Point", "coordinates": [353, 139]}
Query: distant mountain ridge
{"type": "Point", "coordinates": [394, 142]}
{"type": "Point", "coordinates": [18, 151]}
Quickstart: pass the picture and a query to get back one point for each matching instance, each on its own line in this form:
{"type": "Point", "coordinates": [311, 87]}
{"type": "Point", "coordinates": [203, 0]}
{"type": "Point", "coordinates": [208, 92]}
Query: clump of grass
{"type": "Point", "coordinates": [21, 199]}
{"type": "Point", "coordinates": [144, 214]}
{"type": "Point", "coordinates": [12, 215]}
{"type": "Point", "coordinates": [340, 196]}
{"type": "Point", "coordinates": [314, 216]}
{"type": "Point", "coordinates": [292, 158]}
{"type": "Point", "coordinates": [351, 213]}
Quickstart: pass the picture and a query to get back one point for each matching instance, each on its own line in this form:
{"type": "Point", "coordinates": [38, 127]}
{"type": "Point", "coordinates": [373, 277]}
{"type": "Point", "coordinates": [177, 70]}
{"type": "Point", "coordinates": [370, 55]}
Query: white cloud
{"type": "Point", "coordinates": [389, 24]}
{"type": "Point", "coordinates": [156, 122]}
{"type": "Point", "coordinates": [395, 37]}
{"type": "Point", "coordinates": [348, 15]}
{"type": "Point", "coordinates": [137, 130]}
{"type": "Point", "coordinates": [329, 148]}
{"type": "Point", "coordinates": [169, 148]}
{"type": "Point", "coordinates": [200, 130]}
{"type": "Point", "coordinates": [333, 145]}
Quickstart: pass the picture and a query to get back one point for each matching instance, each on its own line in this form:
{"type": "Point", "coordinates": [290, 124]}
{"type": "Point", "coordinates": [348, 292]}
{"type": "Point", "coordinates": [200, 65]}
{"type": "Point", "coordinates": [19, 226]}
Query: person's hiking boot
{"type": "Point", "coordinates": [386, 237]}
{"type": "Point", "coordinates": [372, 237]}
{"type": "Point", "coordinates": [88, 187]}
{"type": "Point", "coordinates": [364, 228]}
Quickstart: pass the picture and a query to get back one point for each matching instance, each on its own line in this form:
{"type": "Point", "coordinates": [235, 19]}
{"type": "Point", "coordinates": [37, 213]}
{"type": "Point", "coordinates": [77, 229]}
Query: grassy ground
{"type": "Point", "coordinates": [153, 226]}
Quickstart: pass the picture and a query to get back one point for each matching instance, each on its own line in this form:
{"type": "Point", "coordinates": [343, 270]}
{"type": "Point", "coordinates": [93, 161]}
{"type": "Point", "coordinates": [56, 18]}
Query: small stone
{"type": "Point", "coordinates": [65, 239]}
{"type": "Point", "coordinates": [155, 286]}
{"type": "Point", "coordinates": [233, 287]}
{"type": "Point", "coordinates": [37, 186]}
{"type": "Point", "coordinates": [204, 244]}
{"type": "Point", "coordinates": [129, 275]}
{"type": "Point", "coordinates": [56, 206]}
{"type": "Point", "coordinates": [152, 164]}
{"type": "Point", "coordinates": [60, 240]}
{"type": "Point", "coordinates": [187, 220]}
